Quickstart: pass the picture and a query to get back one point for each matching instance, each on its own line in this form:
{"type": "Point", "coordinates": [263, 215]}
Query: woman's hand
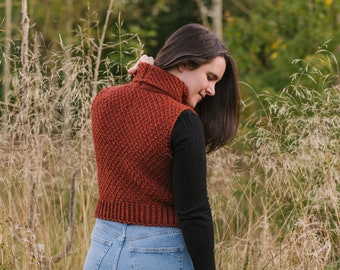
{"type": "Point", "coordinates": [143, 59]}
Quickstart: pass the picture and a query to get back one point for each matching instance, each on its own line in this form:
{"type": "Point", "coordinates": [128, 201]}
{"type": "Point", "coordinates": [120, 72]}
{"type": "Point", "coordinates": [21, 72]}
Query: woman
{"type": "Point", "coordinates": [150, 138]}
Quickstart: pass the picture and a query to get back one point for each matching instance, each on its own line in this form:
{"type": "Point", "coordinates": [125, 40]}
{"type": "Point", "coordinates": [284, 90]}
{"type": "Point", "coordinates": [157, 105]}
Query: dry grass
{"type": "Point", "coordinates": [275, 192]}
{"type": "Point", "coordinates": [276, 199]}
{"type": "Point", "coordinates": [47, 167]}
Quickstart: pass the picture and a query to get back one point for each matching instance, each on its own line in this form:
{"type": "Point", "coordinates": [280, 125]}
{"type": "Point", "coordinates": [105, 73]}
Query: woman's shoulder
{"type": "Point", "coordinates": [189, 115]}
{"type": "Point", "coordinates": [188, 120]}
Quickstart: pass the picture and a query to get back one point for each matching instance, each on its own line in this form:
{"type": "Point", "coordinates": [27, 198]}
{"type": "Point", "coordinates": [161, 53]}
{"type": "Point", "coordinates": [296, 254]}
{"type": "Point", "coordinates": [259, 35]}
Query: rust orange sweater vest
{"type": "Point", "coordinates": [131, 127]}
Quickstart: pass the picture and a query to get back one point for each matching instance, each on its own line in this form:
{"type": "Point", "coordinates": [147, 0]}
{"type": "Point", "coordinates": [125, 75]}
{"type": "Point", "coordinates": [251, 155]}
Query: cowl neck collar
{"type": "Point", "coordinates": [162, 80]}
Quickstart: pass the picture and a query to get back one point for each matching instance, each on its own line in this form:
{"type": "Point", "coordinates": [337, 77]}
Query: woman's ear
{"type": "Point", "coordinates": [181, 67]}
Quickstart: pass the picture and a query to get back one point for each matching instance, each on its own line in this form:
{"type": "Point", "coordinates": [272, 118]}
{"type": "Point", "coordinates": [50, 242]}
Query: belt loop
{"type": "Point", "coordinates": [123, 232]}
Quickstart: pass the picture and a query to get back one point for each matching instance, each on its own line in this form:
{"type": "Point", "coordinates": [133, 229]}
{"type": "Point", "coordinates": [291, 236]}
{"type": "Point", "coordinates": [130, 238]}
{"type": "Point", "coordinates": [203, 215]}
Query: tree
{"type": "Point", "coordinates": [214, 14]}
{"type": "Point", "coordinates": [266, 36]}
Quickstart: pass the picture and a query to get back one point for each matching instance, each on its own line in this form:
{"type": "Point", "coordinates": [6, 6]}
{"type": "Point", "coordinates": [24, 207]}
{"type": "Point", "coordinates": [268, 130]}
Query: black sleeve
{"type": "Point", "coordinates": [190, 189]}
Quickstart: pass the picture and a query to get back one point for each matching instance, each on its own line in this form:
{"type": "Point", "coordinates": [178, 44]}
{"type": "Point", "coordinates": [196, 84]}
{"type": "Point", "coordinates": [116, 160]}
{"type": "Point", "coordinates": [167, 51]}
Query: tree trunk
{"type": "Point", "coordinates": [217, 11]}
{"type": "Point", "coordinates": [204, 12]}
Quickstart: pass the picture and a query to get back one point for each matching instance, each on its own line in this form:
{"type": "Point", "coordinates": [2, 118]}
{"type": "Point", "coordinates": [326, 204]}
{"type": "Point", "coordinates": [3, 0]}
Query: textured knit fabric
{"type": "Point", "coordinates": [131, 127]}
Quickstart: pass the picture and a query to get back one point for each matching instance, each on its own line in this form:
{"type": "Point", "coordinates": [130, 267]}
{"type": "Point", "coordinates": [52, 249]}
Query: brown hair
{"type": "Point", "coordinates": [195, 45]}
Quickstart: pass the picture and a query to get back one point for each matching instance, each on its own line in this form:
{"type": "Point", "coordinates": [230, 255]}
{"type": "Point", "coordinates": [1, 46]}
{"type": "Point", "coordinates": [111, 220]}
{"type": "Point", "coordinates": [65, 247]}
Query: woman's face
{"type": "Point", "coordinates": [201, 81]}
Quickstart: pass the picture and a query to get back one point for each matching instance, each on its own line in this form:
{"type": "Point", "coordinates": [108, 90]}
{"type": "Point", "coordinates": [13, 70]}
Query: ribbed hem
{"type": "Point", "coordinates": [138, 214]}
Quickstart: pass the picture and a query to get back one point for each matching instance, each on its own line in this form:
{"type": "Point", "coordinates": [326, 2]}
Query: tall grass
{"type": "Point", "coordinates": [276, 199]}
{"type": "Point", "coordinates": [47, 168]}
{"type": "Point", "coordinates": [274, 192]}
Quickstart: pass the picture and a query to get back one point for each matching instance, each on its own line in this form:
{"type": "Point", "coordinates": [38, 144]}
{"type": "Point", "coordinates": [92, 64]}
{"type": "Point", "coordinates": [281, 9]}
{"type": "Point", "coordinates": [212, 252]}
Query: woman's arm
{"type": "Point", "coordinates": [190, 190]}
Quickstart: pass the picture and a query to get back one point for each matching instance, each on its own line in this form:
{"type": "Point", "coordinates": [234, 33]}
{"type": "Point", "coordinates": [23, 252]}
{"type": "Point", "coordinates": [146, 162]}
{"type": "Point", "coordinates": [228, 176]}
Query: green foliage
{"type": "Point", "coordinates": [155, 20]}
{"type": "Point", "coordinates": [268, 35]}
{"type": "Point", "coordinates": [263, 36]}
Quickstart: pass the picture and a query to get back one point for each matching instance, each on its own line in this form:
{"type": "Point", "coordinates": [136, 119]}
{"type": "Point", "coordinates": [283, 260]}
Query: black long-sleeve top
{"type": "Point", "coordinates": [190, 189]}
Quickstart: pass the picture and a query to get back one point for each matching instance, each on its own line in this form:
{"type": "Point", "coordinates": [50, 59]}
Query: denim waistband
{"type": "Point", "coordinates": [130, 232]}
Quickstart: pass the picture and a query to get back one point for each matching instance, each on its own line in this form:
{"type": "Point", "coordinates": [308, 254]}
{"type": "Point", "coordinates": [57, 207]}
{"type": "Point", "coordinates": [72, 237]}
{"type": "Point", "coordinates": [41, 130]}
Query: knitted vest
{"type": "Point", "coordinates": [131, 126]}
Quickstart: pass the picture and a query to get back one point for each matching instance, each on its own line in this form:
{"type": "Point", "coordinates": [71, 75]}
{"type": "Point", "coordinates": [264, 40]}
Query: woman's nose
{"type": "Point", "coordinates": [210, 90]}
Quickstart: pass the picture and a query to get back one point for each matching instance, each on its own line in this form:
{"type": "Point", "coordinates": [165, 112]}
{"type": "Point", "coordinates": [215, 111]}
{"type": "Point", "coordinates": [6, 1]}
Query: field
{"type": "Point", "coordinates": [274, 192]}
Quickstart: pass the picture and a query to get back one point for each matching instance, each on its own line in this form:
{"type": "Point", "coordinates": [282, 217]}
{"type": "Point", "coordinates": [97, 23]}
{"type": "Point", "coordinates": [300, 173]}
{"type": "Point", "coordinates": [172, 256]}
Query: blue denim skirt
{"type": "Point", "coordinates": [118, 246]}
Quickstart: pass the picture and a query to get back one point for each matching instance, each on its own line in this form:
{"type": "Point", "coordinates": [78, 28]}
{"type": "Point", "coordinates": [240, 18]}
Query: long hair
{"type": "Point", "coordinates": [195, 45]}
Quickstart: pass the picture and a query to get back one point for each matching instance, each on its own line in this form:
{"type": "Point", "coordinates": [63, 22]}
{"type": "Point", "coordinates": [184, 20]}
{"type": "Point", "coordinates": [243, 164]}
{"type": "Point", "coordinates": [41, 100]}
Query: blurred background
{"type": "Point", "coordinates": [263, 36]}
